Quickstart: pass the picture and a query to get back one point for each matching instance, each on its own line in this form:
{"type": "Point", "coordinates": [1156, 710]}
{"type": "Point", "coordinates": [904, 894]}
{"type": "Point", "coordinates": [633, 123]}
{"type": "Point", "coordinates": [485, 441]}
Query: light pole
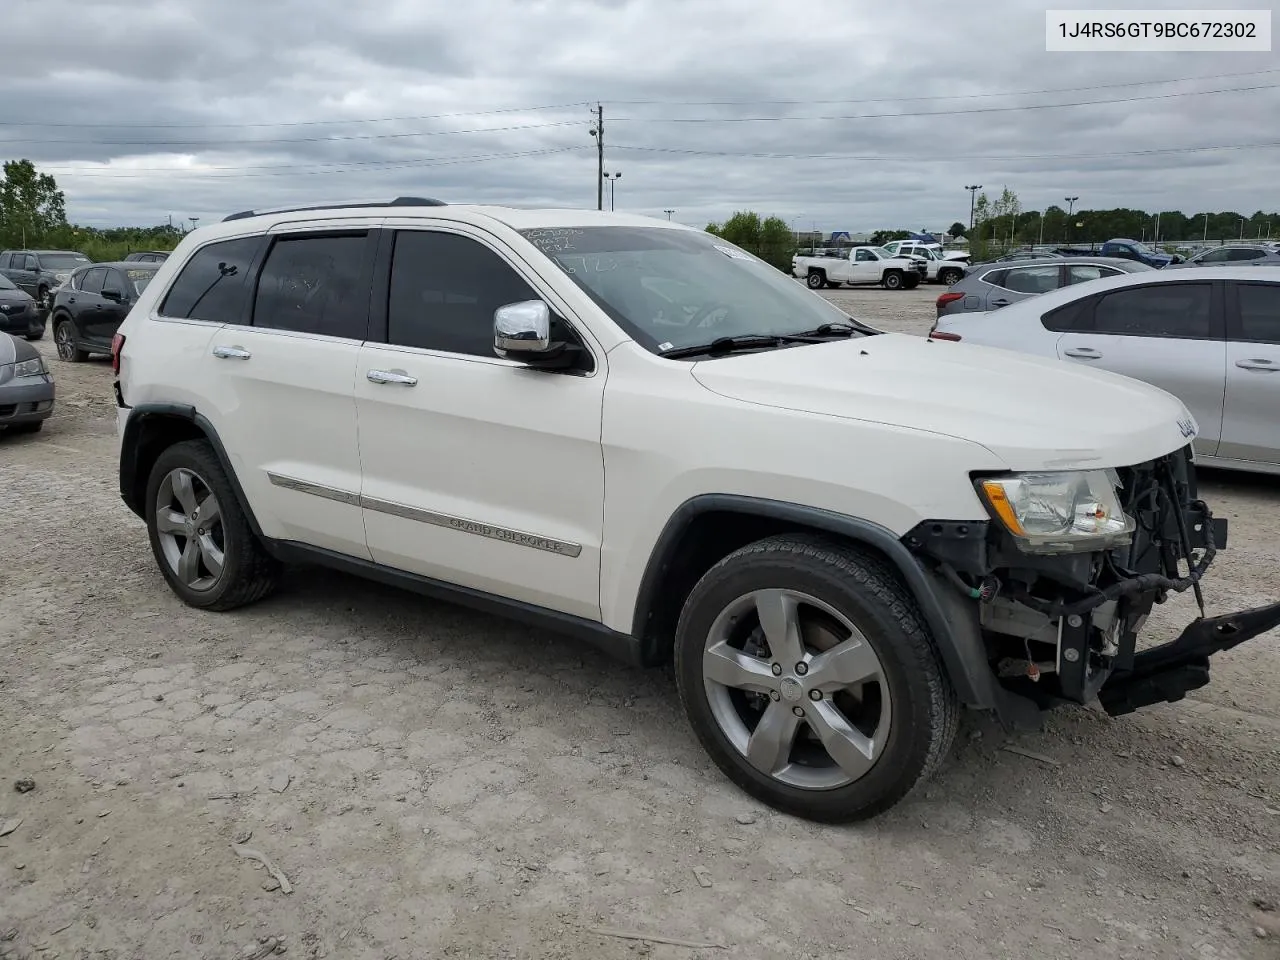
{"type": "Point", "coordinates": [1071, 208]}
{"type": "Point", "coordinates": [668, 213]}
{"type": "Point", "coordinates": [973, 194]}
{"type": "Point", "coordinates": [1205, 238]}
{"type": "Point", "coordinates": [612, 178]}
{"type": "Point", "coordinates": [195, 221]}
{"type": "Point", "coordinates": [1040, 243]}
{"type": "Point", "coordinates": [1242, 222]}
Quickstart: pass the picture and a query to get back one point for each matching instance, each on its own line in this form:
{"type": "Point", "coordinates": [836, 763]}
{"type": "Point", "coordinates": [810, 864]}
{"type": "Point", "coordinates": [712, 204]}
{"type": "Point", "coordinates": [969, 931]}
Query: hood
{"type": "Point", "coordinates": [14, 296]}
{"type": "Point", "coordinates": [1033, 413]}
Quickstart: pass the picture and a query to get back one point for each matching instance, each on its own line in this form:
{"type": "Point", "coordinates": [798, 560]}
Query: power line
{"type": "Point", "coordinates": [293, 170]}
{"type": "Point", "coordinates": [195, 124]}
{"type": "Point", "coordinates": [333, 139]}
{"type": "Point", "coordinates": [949, 158]}
{"type": "Point", "coordinates": [950, 113]}
{"type": "Point", "coordinates": [949, 96]}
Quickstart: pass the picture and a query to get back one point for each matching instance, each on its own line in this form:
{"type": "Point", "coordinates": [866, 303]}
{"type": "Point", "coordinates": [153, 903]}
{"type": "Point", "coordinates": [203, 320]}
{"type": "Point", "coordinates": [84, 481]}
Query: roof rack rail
{"type": "Point", "coordinates": [397, 202]}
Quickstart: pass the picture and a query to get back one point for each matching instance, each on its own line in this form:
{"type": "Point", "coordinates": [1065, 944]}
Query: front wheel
{"type": "Point", "coordinates": [809, 677]}
{"type": "Point", "coordinates": [892, 280]}
{"type": "Point", "coordinates": [199, 535]}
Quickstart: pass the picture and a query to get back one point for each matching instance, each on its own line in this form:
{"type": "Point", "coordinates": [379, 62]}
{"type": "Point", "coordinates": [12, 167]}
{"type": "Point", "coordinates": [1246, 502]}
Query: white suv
{"type": "Point", "coordinates": [635, 432]}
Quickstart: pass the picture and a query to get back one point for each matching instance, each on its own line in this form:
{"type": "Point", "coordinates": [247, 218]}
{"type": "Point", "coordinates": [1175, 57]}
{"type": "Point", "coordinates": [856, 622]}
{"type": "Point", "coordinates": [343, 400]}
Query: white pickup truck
{"type": "Point", "coordinates": [938, 269]}
{"type": "Point", "coordinates": [915, 248]}
{"type": "Point", "coordinates": [860, 265]}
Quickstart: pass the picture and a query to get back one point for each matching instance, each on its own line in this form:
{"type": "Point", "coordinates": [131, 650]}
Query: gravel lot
{"type": "Point", "coordinates": [436, 783]}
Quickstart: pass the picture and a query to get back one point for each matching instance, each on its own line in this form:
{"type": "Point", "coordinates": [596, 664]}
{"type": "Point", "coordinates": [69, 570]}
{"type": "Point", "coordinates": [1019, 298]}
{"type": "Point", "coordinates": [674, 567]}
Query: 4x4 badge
{"type": "Point", "coordinates": [1187, 426]}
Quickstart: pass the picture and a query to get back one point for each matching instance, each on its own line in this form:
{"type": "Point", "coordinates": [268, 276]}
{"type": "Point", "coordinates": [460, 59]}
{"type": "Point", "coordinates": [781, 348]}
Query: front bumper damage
{"type": "Point", "coordinates": [1066, 628]}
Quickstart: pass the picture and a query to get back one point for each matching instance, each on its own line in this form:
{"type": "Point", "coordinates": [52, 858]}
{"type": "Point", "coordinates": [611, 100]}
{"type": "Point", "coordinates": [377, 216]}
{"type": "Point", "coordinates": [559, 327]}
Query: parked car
{"type": "Point", "coordinates": [19, 313]}
{"type": "Point", "coordinates": [914, 248]}
{"type": "Point", "coordinates": [1208, 335]}
{"type": "Point", "coordinates": [937, 268]}
{"type": "Point", "coordinates": [842, 537]}
{"type": "Point", "coordinates": [148, 256]}
{"type": "Point", "coordinates": [1240, 254]}
{"type": "Point", "coordinates": [996, 285]}
{"type": "Point", "coordinates": [26, 387]}
{"type": "Point", "coordinates": [90, 306]}
{"type": "Point", "coordinates": [39, 272]}
{"type": "Point", "coordinates": [1133, 250]}
{"type": "Point", "coordinates": [860, 265]}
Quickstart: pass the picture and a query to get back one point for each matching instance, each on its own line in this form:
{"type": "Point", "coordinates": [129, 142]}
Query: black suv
{"type": "Point", "coordinates": [89, 307]}
{"type": "Point", "coordinates": [40, 272]}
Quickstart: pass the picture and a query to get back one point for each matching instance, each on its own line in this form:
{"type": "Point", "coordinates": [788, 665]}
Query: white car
{"type": "Point", "coordinates": [639, 434]}
{"type": "Point", "coordinates": [1208, 335]}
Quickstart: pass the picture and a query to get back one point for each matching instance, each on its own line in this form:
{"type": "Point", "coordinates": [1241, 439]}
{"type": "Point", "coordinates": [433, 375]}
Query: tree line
{"type": "Point", "coordinates": [33, 216]}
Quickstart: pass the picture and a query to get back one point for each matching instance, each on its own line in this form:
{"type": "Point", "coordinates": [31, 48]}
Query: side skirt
{"type": "Point", "coordinates": [620, 646]}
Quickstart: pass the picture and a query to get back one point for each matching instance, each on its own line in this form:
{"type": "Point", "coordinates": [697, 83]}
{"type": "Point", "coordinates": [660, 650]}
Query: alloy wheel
{"type": "Point", "coordinates": [190, 529]}
{"type": "Point", "coordinates": [62, 338]}
{"type": "Point", "coordinates": [797, 689]}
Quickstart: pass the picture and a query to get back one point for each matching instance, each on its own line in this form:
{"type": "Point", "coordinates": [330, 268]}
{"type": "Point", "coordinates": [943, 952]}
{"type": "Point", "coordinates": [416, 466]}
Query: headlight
{"type": "Point", "coordinates": [1065, 512]}
{"type": "Point", "coordinates": [29, 368]}
{"type": "Point", "coordinates": [62, 277]}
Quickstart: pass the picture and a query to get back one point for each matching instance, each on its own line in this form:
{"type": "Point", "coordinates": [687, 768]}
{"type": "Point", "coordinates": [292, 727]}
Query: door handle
{"type": "Point", "coordinates": [231, 353]}
{"type": "Point", "coordinates": [1265, 366]}
{"type": "Point", "coordinates": [999, 303]}
{"type": "Point", "coordinates": [391, 376]}
{"type": "Point", "coordinates": [1083, 353]}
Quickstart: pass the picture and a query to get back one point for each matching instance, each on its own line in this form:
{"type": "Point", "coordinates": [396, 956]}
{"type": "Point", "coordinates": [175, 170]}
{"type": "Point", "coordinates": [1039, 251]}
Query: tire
{"type": "Point", "coordinates": [34, 426]}
{"type": "Point", "coordinates": [910, 282]}
{"type": "Point", "coordinates": [44, 300]}
{"type": "Point", "coordinates": [833, 284]}
{"type": "Point", "coordinates": [230, 568]}
{"type": "Point", "coordinates": [892, 280]}
{"type": "Point", "coordinates": [816, 280]}
{"type": "Point", "coordinates": [830, 585]}
{"type": "Point", "coordinates": [64, 337]}
{"type": "Point", "coordinates": [38, 335]}
{"type": "Point", "coordinates": [950, 277]}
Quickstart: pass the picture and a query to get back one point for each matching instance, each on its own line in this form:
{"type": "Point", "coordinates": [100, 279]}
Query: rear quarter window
{"type": "Point", "coordinates": [1072, 317]}
{"type": "Point", "coordinates": [211, 285]}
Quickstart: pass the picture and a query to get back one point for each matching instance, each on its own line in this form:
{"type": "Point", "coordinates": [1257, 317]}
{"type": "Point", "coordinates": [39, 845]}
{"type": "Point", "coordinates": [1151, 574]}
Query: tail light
{"type": "Point", "coordinates": [117, 344]}
{"type": "Point", "coordinates": [946, 298]}
{"type": "Point", "coordinates": [944, 335]}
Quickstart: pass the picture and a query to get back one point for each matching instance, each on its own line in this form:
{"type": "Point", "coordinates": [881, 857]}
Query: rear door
{"type": "Point", "coordinates": [284, 372]}
{"type": "Point", "coordinates": [88, 304]}
{"type": "Point", "coordinates": [1019, 283]}
{"type": "Point", "coordinates": [1250, 425]}
{"type": "Point", "coordinates": [1166, 334]}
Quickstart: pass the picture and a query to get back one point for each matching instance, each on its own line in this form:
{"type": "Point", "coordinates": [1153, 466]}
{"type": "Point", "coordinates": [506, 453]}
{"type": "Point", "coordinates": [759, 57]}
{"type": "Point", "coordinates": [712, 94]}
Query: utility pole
{"type": "Point", "coordinates": [668, 213]}
{"type": "Point", "coordinates": [1071, 205]}
{"type": "Point", "coordinates": [973, 193]}
{"type": "Point", "coordinates": [1205, 238]}
{"type": "Point", "coordinates": [598, 132]}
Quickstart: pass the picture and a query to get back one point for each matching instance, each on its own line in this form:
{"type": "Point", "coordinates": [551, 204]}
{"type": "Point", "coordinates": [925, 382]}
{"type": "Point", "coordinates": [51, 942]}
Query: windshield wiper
{"type": "Point", "coordinates": [840, 328]}
{"type": "Point", "coordinates": [753, 341]}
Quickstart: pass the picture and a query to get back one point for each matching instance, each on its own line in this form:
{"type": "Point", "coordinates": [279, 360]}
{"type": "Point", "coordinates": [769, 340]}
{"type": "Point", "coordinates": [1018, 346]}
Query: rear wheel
{"type": "Point", "coordinates": [892, 280]}
{"type": "Point", "coordinates": [816, 280]}
{"type": "Point", "coordinates": [45, 299]}
{"type": "Point", "coordinates": [808, 675]}
{"type": "Point", "coordinates": [950, 277]}
{"type": "Point", "coordinates": [65, 338]}
{"type": "Point", "coordinates": [199, 535]}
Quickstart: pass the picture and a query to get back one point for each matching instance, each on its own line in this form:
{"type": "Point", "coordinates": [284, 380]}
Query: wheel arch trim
{"type": "Point", "coordinates": [129, 453]}
{"type": "Point", "coordinates": [959, 643]}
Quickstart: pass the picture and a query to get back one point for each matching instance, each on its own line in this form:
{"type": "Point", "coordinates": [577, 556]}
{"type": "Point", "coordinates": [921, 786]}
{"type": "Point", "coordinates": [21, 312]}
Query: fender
{"type": "Point", "coordinates": [130, 450]}
{"type": "Point", "coordinates": [959, 641]}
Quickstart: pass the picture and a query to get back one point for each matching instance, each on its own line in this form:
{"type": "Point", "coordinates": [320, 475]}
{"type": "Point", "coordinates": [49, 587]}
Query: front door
{"type": "Point", "coordinates": [477, 471]}
{"type": "Point", "coordinates": [1250, 427]}
{"type": "Point", "coordinates": [865, 267]}
{"type": "Point", "coordinates": [110, 310]}
{"type": "Point", "coordinates": [1166, 334]}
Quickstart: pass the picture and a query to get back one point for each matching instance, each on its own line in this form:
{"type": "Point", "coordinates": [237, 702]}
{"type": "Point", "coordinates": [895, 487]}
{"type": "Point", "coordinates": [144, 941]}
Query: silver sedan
{"type": "Point", "coordinates": [1208, 335]}
{"type": "Point", "coordinates": [26, 386]}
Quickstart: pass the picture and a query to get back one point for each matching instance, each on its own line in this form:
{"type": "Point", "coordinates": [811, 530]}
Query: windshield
{"type": "Point", "coordinates": [6, 283]}
{"type": "Point", "coordinates": [140, 278]}
{"type": "Point", "coordinates": [670, 288]}
{"type": "Point", "coordinates": [62, 261]}
{"type": "Point", "coordinates": [1140, 247]}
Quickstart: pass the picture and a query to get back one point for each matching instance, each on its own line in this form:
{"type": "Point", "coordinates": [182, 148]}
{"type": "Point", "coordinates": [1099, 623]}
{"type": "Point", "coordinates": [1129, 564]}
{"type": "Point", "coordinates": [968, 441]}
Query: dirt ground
{"type": "Point", "coordinates": [436, 783]}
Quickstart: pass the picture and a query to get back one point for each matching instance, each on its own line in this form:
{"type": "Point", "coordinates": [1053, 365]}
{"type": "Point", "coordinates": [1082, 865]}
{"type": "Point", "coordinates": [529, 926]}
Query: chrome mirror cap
{"type": "Point", "coordinates": [522, 329]}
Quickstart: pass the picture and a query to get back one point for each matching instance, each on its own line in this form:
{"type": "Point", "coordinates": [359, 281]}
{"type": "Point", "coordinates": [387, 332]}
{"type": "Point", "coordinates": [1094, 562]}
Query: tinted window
{"type": "Point", "coordinates": [1247, 253]}
{"type": "Point", "coordinates": [211, 285]}
{"type": "Point", "coordinates": [444, 291]}
{"type": "Point", "coordinates": [1070, 318]}
{"type": "Point", "coordinates": [91, 281]}
{"type": "Point", "coordinates": [113, 282]}
{"type": "Point", "coordinates": [313, 285]}
{"type": "Point", "coordinates": [1259, 312]}
{"type": "Point", "coordinates": [31, 263]}
{"type": "Point", "coordinates": [1166, 310]}
{"type": "Point", "coordinates": [1032, 279]}
{"type": "Point", "coordinates": [1082, 272]}
{"type": "Point", "coordinates": [995, 277]}
{"type": "Point", "coordinates": [1221, 255]}
{"type": "Point", "coordinates": [865, 255]}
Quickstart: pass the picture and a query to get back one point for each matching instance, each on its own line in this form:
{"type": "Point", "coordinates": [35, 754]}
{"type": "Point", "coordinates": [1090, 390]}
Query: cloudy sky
{"type": "Point", "coordinates": [845, 114]}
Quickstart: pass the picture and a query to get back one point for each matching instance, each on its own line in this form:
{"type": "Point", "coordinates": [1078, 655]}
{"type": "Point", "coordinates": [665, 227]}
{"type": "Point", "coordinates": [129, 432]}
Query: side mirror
{"type": "Point", "coordinates": [522, 330]}
{"type": "Point", "coordinates": [112, 293]}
